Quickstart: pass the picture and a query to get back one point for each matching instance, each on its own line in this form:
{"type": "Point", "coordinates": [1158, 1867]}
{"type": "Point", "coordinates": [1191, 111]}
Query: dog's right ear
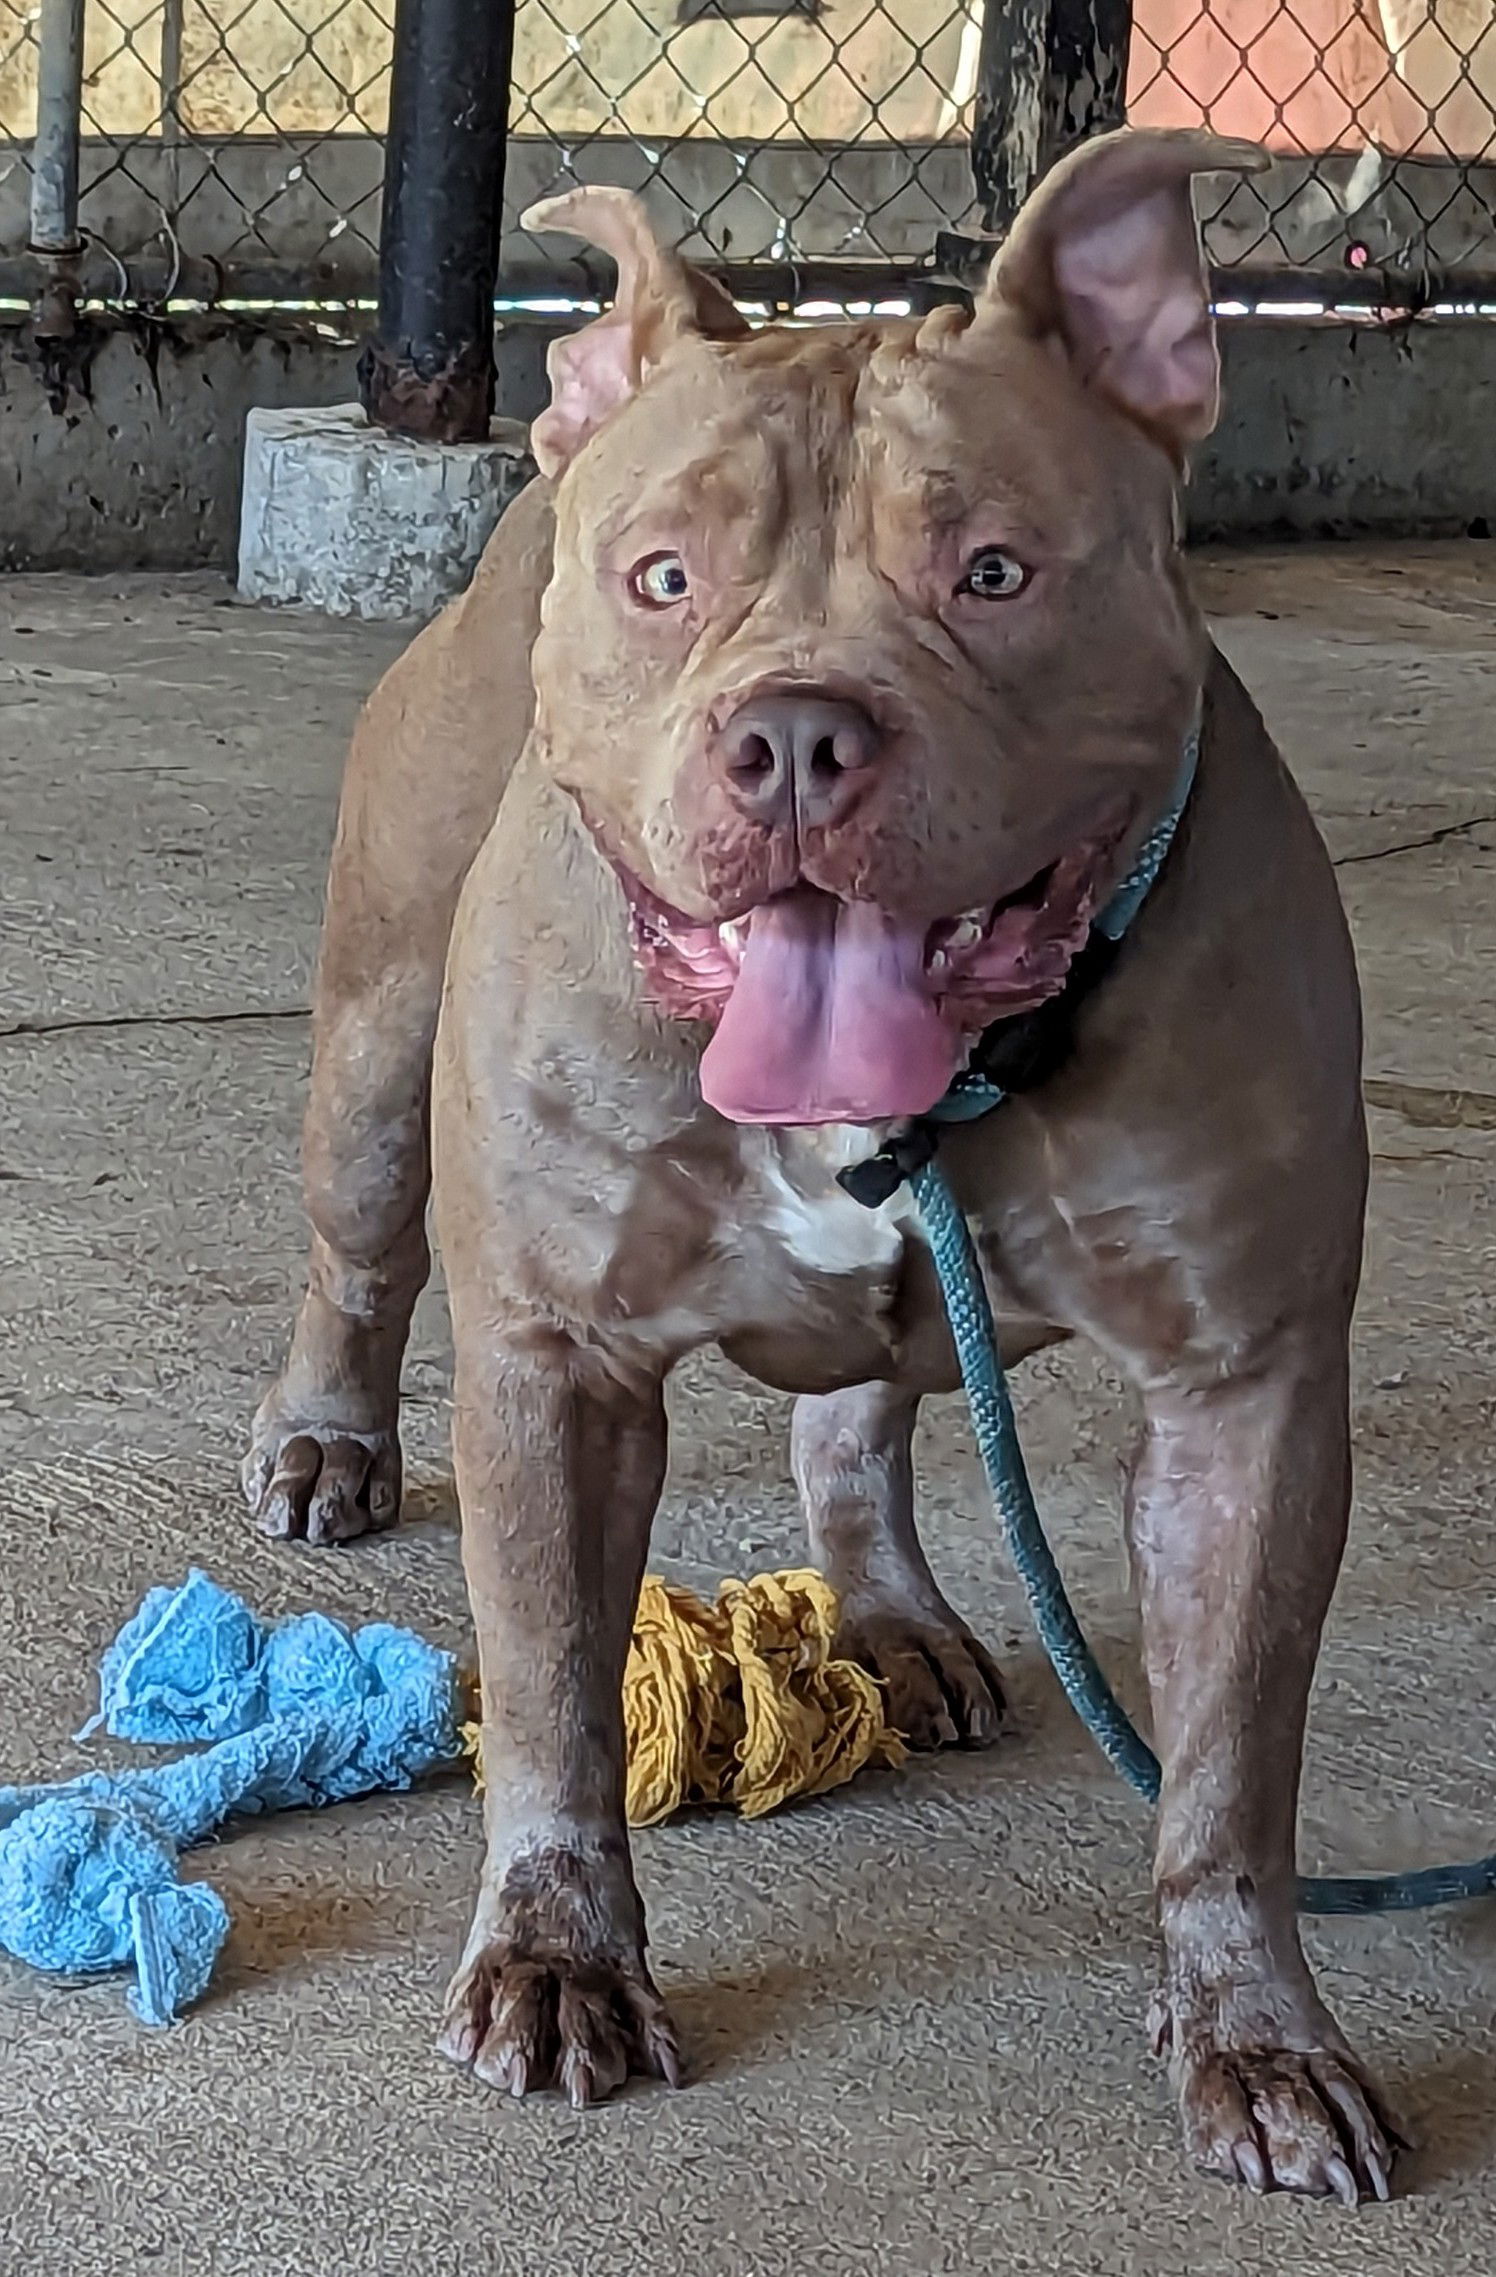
{"type": "Point", "coordinates": [661, 299]}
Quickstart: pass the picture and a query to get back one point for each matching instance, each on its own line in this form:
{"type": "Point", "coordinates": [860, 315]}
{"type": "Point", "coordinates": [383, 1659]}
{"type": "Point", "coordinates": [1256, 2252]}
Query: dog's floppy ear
{"type": "Point", "coordinates": [1105, 257]}
{"type": "Point", "coordinates": [660, 299]}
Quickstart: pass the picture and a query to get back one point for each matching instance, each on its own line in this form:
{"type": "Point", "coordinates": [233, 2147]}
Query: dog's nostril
{"type": "Point", "coordinates": [824, 760]}
{"type": "Point", "coordinates": [754, 756]}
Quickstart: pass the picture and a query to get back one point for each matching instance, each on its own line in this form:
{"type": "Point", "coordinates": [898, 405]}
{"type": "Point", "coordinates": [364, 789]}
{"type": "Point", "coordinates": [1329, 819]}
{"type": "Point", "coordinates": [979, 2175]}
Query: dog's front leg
{"type": "Point", "coordinates": [559, 1468]}
{"type": "Point", "coordinates": [1239, 1509]}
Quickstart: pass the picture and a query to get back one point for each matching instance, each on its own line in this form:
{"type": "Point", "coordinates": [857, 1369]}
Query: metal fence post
{"type": "Point", "coordinates": [1008, 108]}
{"type": "Point", "coordinates": [428, 372]}
{"type": "Point", "coordinates": [54, 162]}
{"type": "Point", "coordinates": [1085, 73]}
{"type": "Point", "coordinates": [173, 13]}
{"type": "Point", "coordinates": [1050, 73]}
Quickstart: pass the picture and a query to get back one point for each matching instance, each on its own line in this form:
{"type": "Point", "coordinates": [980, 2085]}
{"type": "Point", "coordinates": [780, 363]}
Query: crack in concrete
{"type": "Point", "coordinates": [1413, 845]}
{"type": "Point", "coordinates": [1428, 1108]}
{"type": "Point", "coordinates": [104, 1025]}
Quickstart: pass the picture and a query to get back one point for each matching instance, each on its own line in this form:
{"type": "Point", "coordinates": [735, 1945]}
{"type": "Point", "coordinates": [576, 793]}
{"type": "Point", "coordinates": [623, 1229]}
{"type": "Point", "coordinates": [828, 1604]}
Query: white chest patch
{"type": "Point", "coordinates": [816, 1221]}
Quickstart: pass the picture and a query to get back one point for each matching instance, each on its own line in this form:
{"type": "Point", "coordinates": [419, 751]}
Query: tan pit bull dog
{"type": "Point", "coordinates": [862, 661]}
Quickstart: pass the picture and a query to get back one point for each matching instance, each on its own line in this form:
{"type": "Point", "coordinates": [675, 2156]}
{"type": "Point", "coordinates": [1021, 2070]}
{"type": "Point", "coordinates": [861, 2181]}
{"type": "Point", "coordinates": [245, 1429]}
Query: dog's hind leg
{"type": "Point", "coordinates": [426, 771]}
{"type": "Point", "coordinates": [854, 1466]}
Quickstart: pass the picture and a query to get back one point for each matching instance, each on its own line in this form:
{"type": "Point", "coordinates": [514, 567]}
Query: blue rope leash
{"type": "Point", "coordinates": [1060, 1633]}
{"type": "Point", "coordinates": [975, 1335]}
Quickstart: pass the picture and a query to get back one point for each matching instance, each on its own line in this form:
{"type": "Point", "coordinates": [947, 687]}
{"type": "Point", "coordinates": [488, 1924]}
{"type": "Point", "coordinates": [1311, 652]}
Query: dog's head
{"type": "Point", "coordinates": [866, 657]}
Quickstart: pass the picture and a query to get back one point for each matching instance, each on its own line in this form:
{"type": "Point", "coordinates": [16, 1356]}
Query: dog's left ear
{"type": "Point", "coordinates": [661, 299]}
{"type": "Point", "coordinates": [1106, 258]}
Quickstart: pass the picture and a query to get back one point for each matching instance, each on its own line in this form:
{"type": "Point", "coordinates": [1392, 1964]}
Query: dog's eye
{"type": "Point", "coordinates": [992, 575]}
{"type": "Point", "coordinates": [660, 582]}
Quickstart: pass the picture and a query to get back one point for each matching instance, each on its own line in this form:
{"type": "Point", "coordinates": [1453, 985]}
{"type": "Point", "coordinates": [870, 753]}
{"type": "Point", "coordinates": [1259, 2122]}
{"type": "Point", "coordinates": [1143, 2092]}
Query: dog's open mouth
{"type": "Point", "coordinates": [831, 1011]}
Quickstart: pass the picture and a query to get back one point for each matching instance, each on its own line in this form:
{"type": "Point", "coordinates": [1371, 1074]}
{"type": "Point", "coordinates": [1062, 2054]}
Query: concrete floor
{"type": "Point", "coordinates": [913, 2012]}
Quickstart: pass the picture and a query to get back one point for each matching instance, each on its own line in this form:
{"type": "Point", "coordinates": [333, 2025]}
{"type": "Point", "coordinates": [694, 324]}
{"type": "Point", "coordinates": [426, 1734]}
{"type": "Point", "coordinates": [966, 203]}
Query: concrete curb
{"type": "Point", "coordinates": [341, 517]}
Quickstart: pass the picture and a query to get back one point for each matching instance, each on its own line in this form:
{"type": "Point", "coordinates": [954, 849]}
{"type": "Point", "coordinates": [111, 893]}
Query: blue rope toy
{"type": "Point", "coordinates": [301, 1712]}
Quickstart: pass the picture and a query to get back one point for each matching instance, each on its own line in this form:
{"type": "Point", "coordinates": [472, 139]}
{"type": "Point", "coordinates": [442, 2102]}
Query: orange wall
{"type": "Point", "coordinates": [1329, 75]}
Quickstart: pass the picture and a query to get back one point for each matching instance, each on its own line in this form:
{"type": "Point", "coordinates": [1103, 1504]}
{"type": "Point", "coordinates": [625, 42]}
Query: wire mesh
{"type": "Point", "coordinates": [233, 147]}
{"type": "Point", "coordinates": [1380, 114]}
{"type": "Point", "coordinates": [830, 131]}
{"type": "Point", "coordinates": [242, 137]}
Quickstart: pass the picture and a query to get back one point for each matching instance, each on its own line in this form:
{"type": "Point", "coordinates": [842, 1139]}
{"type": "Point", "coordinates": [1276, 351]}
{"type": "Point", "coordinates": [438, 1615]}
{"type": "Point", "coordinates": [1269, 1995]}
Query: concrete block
{"type": "Point", "coordinates": [339, 516]}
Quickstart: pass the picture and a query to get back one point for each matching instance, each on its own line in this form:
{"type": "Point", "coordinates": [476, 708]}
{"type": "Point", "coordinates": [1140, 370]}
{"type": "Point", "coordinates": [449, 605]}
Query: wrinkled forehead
{"type": "Point", "coordinates": [846, 422]}
{"type": "Point", "coordinates": [722, 433]}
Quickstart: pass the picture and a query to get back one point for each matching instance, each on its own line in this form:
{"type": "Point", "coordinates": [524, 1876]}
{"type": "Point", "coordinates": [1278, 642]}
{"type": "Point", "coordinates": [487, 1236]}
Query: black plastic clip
{"type": "Point", "coordinates": [879, 1178]}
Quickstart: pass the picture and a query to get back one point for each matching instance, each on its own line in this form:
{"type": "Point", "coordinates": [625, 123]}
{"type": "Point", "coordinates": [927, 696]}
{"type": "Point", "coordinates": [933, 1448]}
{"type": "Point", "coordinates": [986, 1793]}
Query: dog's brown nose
{"type": "Point", "coordinates": [797, 757]}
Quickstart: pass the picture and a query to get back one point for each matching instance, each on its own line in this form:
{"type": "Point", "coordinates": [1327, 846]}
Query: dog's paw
{"type": "Point", "coordinates": [1280, 2119]}
{"type": "Point", "coordinates": [584, 2026]}
{"type": "Point", "coordinates": [317, 1482]}
{"type": "Point", "coordinates": [942, 1688]}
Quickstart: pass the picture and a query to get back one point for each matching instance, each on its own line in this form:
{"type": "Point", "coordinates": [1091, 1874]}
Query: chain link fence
{"type": "Point", "coordinates": [819, 132]}
{"type": "Point", "coordinates": [231, 144]}
{"type": "Point", "coordinates": [231, 149]}
{"type": "Point", "coordinates": [1380, 114]}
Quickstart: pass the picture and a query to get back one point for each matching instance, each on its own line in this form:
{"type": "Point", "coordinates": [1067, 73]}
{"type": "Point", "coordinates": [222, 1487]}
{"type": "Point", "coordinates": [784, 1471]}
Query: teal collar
{"type": "Point", "coordinates": [1154, 851]}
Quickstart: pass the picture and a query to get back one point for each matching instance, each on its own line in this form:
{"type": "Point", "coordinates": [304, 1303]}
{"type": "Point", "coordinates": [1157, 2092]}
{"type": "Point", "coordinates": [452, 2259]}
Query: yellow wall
{"type": "Point", "coordinates": [858, 73]}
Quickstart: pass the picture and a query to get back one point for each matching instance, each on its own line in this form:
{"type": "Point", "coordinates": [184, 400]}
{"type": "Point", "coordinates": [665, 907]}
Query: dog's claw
{"type": "Point", "coordinates": [941, 1686]}
{"type": "Point", "coordinates": [1252, 2168]}
{"type": "Point", "coordinates": [321, 1486]}
{"type": "Point", "coordinates": [1342, 2182]}
{"type": "Point", "coordinates": [577, 2024]}
{"type": "Point", "coordinates": [1280, 2119]}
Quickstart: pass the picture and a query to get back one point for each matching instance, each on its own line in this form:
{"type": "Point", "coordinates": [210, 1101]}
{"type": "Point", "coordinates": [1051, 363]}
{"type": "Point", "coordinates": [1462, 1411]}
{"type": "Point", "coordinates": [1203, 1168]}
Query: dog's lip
{"type": "Point", "coordinates": [951, 937]}
{"type": "Point", "coordinates": [947, 938]}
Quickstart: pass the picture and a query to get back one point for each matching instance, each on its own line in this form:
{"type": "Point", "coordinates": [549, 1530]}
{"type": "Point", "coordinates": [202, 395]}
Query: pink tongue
{"type": "Point", "coordinates": [829, 1020]}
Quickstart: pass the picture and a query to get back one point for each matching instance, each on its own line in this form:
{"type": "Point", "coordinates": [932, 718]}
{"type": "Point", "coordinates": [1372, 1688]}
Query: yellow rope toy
{"type": "Point", "coordinates": [741, 1702]}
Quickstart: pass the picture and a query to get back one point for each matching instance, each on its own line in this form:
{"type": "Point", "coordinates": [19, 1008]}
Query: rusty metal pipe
{"type": "Point", "coordinates": [428, 371]}
{"type": "Point", "coordinates": [54, 161]}
{"type": "Point", "coordinates": [59, 104]}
